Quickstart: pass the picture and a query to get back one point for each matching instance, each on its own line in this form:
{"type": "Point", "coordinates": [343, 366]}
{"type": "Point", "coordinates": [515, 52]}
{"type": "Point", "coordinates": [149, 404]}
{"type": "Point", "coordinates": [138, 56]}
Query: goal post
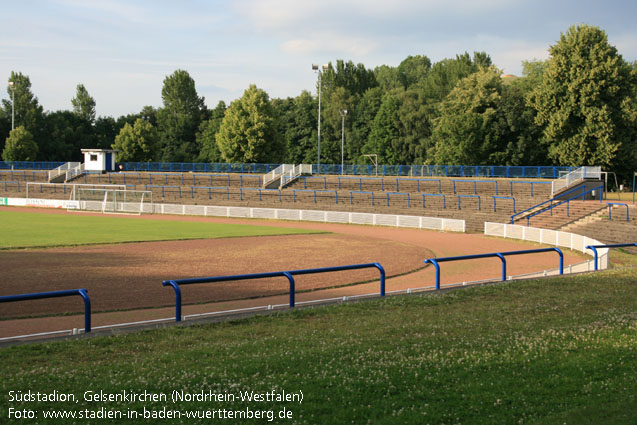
{"type": "Point", "coordinates": [113, 201]}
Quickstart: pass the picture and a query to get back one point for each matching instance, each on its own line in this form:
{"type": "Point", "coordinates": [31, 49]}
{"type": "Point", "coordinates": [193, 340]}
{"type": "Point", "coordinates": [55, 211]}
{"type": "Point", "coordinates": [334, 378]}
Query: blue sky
{"type": "Point", "coordinates": [122, 50]}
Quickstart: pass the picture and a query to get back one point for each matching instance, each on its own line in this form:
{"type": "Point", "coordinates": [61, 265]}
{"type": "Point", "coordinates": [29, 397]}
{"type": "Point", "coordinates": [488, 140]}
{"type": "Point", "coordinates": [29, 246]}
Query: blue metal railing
{"type": "Point", "coordinates": [260, 191]}
{"type": "Point", "coordinates": [617, 245]}
{"type": "Point", "coordinates": [400, 194]}
{"type": "Point", "coordinates": [567, 202]}
{"type": "Point", "coordinates": [294, 191]}
{"type": "Point", "coordinates": [287, 274]}
{"type": "Point", "coordinates": [29, 165]}
{"type": "Point", "coordinates": [418, 183]}
{"type": "Point", "coordinates": [503, 197]}
{"type": "Point", "coordinates": [163, 189]}
{"type": "Point", "coordinates": [210, 189]}
{"type": "Point", "coordinates": [468, 196]}
{"type": "Point", "coordinates": [56, 294]}
{"type": "Point", "coordinates": [351, 197]}
{"type": "Point", "coordinates": [6, 183]}
{"type": "Point", "coordinates": [475, 184]}
{"type": "Point", "coordinates": [610, 206]}
{"type": "Point", "coordinates": [360, 181]}
{"type": "Point", "coordinates": [306, 178]}
{"type": "Point", "coordinates": [559, 202]}
{"type": "Point", "coordinates": [530, 183]}
{"type": "Point", "coordinates": [501, 255]}
{"type": "Point", "coordinates": [444, 199]}
{"type": "Point", "coordinates": [536, 172]}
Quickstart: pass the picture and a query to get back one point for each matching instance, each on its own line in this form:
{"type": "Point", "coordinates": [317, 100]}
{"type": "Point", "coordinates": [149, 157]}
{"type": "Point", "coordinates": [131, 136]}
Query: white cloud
{"type": "Point", "coordinates": [329, 45]}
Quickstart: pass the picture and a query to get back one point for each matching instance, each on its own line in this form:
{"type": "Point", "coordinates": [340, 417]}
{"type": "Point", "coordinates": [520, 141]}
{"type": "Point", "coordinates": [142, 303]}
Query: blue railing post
{"type": "Point", "coordinates": [504, 266]}
{"type": "Point", "coordinates": [292, 288]}
{"type": "Point", "coordinates": [617, 245]}
{"type": "Point", "coordinates": [87, 310]}
{"type": "Point", "coordinates": [57, 294]}
{"type": "Point", "coordinates": [382, 278]}
{"type": "Point", "coordinates": [437, 266]}
{"type": "Point", "coordinates": [175, 286]}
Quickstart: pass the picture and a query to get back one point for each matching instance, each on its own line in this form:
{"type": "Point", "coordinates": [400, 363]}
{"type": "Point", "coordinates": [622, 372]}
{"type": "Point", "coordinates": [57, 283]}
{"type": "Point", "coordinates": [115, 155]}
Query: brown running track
{"type": "Point", "coordinates": [128, 276]}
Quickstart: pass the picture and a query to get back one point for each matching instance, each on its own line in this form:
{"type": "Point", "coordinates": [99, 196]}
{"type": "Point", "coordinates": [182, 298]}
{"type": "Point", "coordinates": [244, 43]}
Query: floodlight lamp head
{"type": "Point", "coordinates": [315, 67]}
{"type": "Point", "coordinates": [326, 67]}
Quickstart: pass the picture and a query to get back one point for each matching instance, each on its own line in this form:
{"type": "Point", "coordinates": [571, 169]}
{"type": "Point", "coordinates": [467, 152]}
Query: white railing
{"type": "Point", "coordinates": [62, 169]}
{"type": "Point", "coordinates": [567, 240]}
{"type": "Point", "coordinates": [295, 173]}
{"type": "Point", "coordinates": [343, 217]}
{"type": "Point", "coordinates": [575, 176]}
{"type": "Point", "coordinates": [276, 173]}
{"type": "Point", "coordinates": [74, 172]}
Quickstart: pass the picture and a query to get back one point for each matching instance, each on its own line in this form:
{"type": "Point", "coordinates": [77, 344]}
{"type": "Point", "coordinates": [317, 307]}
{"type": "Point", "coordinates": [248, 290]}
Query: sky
{"type": "Point", "coordinates": [122, 50]}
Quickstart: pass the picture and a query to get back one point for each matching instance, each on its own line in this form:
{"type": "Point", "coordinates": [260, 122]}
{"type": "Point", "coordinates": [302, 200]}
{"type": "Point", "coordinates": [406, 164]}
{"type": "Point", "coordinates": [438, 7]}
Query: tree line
{"type": "Point", "coordinates": [576, 108]}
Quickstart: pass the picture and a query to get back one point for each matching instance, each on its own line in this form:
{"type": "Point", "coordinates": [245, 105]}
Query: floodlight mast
{"type": "Point", "coordinates": [12, 85]}
{"type": "Point", "coordinates": [343, 114]}
{"type": "Point", "coordinates": [315, 67]}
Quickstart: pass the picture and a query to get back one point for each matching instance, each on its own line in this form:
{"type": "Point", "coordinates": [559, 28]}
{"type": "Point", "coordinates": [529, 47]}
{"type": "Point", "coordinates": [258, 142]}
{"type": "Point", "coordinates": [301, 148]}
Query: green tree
{"type": "Point", "coordinates": [362, 120]}
{"type": "Point", "coordinates": [249, 130]}
{"type": "Point", "coordinates": [20, 146]}
{"type": "Point", "coordinates": [388, 78]}
{"type": "Point", "coordinates": [584, 103]}
{"type": "Point", "coordinates": [179, 119]}
{"type": "Point", "coordinates": [207, 135]}
{"type": "Point", "coordinates": [470, 129]}
{"type": "Point", "coordinates": [385, 136]}
{"type": "Point", "coordinates": [83, 104]}
{"type": "Point", "coordinates": [28, 111]}
{"type": "Point", "coordinates": [301, 129]}
{"type": "Point", "coordinates": [67, 133]}
{"type": "Point", "coordinates": [401, 128]}
{"type": "Point", "coordinates": [356, 79]}
{"type": "Point", "coordinates": [136, 143]}
{"type": "Point", "coordinates": [521, 134]}
{"type": "Point", "coordinates": [5, 127]}
{"type": "Point", "coordinates": [416, 122]}
{"type": "Point", "coordinates": [444, 75]}
{"type": "Point", "coordinates": [105, 131]}
{"type": "Point", "coordinates": [413, 69]}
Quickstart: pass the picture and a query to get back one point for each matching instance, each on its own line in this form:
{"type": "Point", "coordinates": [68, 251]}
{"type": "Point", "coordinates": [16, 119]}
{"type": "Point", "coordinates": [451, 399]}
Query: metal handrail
{"type": "Point", "coordinates": [553, 199]}
{"type": "Point", "coordinates": [56, 294]}
{"type": "Point", "coordinates": [288, 274]}
{"type": "Point", "coordinates": [617, 245]}
{"type": "Point", "coordinates": [500, 255]}
{"type": "Point", "coordinates": [610, 205]}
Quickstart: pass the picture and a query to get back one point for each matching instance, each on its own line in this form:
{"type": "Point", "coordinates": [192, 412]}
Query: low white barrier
{"type": "Point", "coordinates": [417, 222]}
{"type": "Point", "coordinates": [551, 237]}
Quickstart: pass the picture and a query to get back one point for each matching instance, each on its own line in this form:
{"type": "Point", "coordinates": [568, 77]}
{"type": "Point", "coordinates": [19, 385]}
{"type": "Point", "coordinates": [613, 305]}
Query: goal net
{"type": "Point", "coordinates": [115, 201]}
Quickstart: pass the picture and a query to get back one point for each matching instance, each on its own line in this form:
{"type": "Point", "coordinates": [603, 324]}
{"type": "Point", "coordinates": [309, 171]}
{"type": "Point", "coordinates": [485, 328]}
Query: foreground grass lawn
{"type": "Point", "coordinates": [534, 352]}
{"type": "Point", "coordinates": [27, 230]}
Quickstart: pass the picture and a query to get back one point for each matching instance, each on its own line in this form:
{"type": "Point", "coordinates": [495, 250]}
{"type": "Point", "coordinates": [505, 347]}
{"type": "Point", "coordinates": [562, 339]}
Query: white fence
{"type": "Point", "coordinates": [575, 176]}
{"type": "Point", "coordinates": [276, 173]}
{"type": "Point", "coordinates": [416, 222]}
{"type": "Point", "coordinates": [551, 237]}
{"type": "Point", "coordinates": [432, 223]}
{"type": "Point", "coordinates": [62, 169]}
{"type": "Point", "coordinates": [295, 173]}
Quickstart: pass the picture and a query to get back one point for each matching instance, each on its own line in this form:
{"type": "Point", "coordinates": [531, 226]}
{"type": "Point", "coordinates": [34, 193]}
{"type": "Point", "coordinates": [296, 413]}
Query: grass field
{"type": "Point", "coordinates": [28, 230]}
{"type": "Point", "coordinates": [561, 350]}
{"type": "Point", "coordinates": [623, 197]}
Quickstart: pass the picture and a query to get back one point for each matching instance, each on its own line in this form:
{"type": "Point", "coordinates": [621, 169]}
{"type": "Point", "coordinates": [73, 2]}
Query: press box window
{"type": "Point", "coordinates": [93, 157]}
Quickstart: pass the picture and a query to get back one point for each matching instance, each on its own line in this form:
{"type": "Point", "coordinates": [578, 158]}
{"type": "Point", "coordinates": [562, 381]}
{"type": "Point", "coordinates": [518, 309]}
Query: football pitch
{"type": "Point", "coordinates": [37, 229]}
